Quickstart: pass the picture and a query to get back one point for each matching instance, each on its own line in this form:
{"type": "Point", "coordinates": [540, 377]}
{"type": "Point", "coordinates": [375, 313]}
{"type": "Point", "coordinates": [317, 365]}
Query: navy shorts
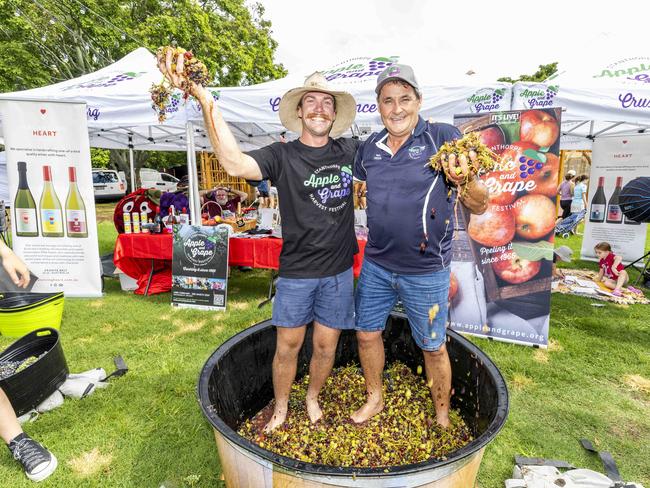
{"type": "Point", "coordinates": [328, 301]}
{"type": "Point", "coordinates": [424, 298]}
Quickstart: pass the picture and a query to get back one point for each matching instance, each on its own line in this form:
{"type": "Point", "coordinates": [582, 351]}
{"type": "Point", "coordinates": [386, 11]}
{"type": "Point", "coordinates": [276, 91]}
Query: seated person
{"type": "Point", "coordinates": [612, 273]}
{"type": "Point", "coordinates": [38, 463]}
{"type": "Point", "coordinates": [563, 253]}
{"type": "Point", "coordinates": [227, 198]}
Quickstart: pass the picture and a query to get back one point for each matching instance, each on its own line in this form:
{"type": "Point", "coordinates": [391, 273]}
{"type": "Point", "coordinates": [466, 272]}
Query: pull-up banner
{"type": "Point", "coordinates": [502, 259]}
{"type": "Point", "coordinates": [54, 227]}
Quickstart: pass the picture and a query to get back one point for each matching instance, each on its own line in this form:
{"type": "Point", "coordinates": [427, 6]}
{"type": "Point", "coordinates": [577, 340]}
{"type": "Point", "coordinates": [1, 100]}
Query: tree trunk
{"type": "Point", "coordinates": [120, 159]}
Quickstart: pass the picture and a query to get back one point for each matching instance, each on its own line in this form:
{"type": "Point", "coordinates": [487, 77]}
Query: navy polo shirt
{"type": "Point", "coordinates": [407, 201]}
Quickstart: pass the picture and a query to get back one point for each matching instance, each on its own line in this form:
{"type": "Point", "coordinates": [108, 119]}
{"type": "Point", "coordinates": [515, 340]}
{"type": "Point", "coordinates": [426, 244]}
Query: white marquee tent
{"type": "Point", "coordinates": [120, 115]}
{"type": "Point", "coordinates": [602, 92]}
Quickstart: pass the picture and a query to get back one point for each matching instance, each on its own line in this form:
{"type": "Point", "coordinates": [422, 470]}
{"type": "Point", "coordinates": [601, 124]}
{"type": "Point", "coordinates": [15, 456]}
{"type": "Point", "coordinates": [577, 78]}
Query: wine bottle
{"type": "Point", "coordinates": [614, 213]}
{"type": "Point", "coordinates": [75, 208]}
{"type": "Point", "coordinates": [598, 203]}
{"type": "Point", "coordinates": [51, 212]}
{"type": "Point", "coordinates": [25, 206]}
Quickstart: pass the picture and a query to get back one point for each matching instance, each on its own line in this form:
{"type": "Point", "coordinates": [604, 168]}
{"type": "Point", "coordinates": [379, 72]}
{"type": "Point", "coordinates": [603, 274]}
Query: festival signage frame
{"type": "Point", "coordinates": [502, 260]}
{"type": "Point", "coordinates": [200, 266]}
{"type": "Point", "coordinates": [50, 180]}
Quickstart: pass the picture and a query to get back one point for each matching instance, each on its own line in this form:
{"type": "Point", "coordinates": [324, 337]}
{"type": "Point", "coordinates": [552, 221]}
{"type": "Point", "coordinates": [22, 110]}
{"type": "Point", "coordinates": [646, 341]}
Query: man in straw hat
{"type": "Point", "coordinates": [313, 175]}
{"type": "Point", "coordinates": [409, 210]}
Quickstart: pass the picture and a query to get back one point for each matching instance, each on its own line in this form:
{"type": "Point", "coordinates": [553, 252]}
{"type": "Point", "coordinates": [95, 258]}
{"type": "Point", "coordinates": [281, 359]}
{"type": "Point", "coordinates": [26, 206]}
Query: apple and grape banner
{"type": "Point", "coordinates": [54, 227]}
{"type": "Point", "coordinates": [502, 259]}
{"type": "Point", "coordinates": [200, 267]}
{"type": "Point", "coordinates": [615, 161]}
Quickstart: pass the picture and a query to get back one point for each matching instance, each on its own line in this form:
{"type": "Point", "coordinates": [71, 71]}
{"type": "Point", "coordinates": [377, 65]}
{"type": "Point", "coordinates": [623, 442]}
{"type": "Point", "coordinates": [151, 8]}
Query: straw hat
{"type": "Point", "coordinates": [346, 107]}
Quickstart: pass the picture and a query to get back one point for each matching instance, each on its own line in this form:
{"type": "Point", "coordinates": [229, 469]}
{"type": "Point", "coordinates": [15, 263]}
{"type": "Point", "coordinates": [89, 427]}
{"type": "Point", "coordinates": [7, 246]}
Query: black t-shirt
{"type": "Point", "coordinates": [315, 193]}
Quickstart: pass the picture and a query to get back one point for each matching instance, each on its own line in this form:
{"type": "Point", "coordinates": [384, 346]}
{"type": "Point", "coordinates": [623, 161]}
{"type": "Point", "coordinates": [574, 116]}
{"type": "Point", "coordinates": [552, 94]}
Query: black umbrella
{"type": "Point", "coordinates": [634, 199]}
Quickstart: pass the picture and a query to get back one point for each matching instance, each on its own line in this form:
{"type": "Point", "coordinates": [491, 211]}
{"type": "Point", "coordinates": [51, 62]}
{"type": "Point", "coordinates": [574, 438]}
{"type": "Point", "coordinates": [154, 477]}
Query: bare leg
{"type": "Point", "coordinates": [609, 283]}
{"type": "Point", "coordinates": [438, 368]}
{"type": "Point", "coordinates": [372, 356]}
{"type": "Point", "coordinates": [9, 426]}
{"type": "Point", "coordinates": [621, 281]}
{"type": "Point", "coordinates": [320, 367]}
{"type": "Point", "coordinates": [285, 364]}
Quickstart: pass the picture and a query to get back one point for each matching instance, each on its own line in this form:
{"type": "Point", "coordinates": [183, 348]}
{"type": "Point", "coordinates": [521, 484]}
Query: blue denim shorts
{"type": "Point", "coordinates": [424, 298]}
{"type": "Point", "coordinates": [329, 301]}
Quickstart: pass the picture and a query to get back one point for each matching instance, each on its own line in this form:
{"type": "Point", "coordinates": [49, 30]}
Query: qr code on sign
{"type": "Point", "coordinates": [218, 300]}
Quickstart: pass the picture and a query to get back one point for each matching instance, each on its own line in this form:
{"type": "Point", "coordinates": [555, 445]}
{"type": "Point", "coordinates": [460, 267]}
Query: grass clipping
{"type": "Point", "coordinates": [462, 148]}
{"type": "Point", "coordinates": [193, 71]}
{"type": "Point", "coordinates": [405, 432]}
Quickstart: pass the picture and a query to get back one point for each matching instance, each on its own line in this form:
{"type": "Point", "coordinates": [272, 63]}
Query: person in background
{"type": "Point", "coordinates": [563, 253]}
{"type": "Point", "coordinates": [227, 198]}
{"type": "Point", "coordinates": [612, 273]}
{"type": "Point", "coordinates": [579, 201]}
{"type": "Point", "coordinates": [408, 255]}
{"type": "Point", "coordinates": [565, 190]}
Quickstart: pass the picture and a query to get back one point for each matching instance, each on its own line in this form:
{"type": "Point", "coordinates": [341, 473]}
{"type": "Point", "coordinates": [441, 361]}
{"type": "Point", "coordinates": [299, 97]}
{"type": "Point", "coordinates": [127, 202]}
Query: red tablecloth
{"type": "Point", "coordinates": [138, 254]}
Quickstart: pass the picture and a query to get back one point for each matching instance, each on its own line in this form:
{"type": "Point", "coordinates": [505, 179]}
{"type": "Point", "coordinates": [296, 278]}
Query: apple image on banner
{"type": "Point", "coordinates": [514, 270]}
{"type": "Point", "coordinates": [538, 127]}
{"type": "Point", "coordinates": [534, 216]}
{"type": "Point", "coordinates": [453, 286]}
{"type": "Point", "coordinates": [493, 138]}
{"type": "Point", "coordinates": [496, 181]}
{"type": "Point", "coordinates": [494, 227]}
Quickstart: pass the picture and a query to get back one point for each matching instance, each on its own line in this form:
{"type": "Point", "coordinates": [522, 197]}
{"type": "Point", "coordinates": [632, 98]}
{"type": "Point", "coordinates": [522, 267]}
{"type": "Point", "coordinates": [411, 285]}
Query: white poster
{"type": "Point", "coordinates": [615, 162]}
{"type": "Point", "coordinates": [50, 185]}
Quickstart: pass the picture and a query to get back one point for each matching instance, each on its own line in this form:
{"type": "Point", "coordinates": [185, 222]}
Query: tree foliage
{"type": "Point", "coordinates": [544, 72]}
{"type": "Point", "coordinates": [47, 41]}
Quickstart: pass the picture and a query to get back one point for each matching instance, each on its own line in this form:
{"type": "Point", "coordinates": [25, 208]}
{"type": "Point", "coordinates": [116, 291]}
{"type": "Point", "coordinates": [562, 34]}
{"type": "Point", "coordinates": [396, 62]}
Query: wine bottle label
{"type": "Point", "coordinates": [614, 213]}
{"type": "Point", "coordinates": [76, 221]}
{"type": "Point", "coordinates": [51, 221]}
{"type": "Point", "coordinates": [26, 220]}
{"type": "Point", "coordinates": [597, 211]}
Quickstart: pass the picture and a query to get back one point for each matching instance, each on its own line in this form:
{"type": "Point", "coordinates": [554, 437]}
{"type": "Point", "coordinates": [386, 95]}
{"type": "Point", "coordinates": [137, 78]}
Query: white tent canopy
{"type": "Point", "coordinates": [603, 93]}
{"type": "Point", "coordinates": [120, 116]}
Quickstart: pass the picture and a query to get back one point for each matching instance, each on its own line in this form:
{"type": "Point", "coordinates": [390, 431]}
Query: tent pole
{"type": "Point", "coordinates": [131, 168]}
{"type": "Point", "coordinates": [192, 176]}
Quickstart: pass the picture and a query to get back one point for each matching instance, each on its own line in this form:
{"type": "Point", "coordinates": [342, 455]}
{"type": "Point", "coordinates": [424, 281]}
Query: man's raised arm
{"type": "Point", "coordinates": [235, 162]}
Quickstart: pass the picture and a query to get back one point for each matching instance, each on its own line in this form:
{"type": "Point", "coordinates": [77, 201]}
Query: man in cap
{"type": "Point", "coordinates": [313, 175]}
{"type": "Point", "coordinates": [409, 210]}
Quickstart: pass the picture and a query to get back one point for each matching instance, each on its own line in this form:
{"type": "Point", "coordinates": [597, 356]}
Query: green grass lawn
{"type": "Point", "coordinates": [146, 429]}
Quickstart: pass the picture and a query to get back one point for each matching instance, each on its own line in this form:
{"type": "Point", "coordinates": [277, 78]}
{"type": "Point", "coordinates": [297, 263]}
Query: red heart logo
{"type": "Point", "coordinates": [43, 111]}
{"type": "Point", "coordinates": [624, 142]}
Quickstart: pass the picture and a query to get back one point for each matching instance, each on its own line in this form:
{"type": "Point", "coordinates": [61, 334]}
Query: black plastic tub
{"type": "Point", "coordinates": [29, 387]}
{"type": "Point", "coordinates": [235, 384]}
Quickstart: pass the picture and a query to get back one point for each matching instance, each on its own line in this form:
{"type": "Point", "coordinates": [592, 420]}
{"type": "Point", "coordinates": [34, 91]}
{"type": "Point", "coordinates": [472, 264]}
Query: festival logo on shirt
{"type": "Point", "coordinates": [331, 187]}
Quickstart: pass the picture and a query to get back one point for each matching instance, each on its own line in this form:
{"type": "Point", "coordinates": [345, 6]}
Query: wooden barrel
{"type": "Point", "coordinates": [235, 384]}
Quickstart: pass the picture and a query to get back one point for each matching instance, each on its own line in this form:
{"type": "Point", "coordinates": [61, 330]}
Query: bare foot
{"type": "Point", "coordinates": [443, 420]}
{"type": "Point", "coordinates": [313, 410]}
{"type": "Point", "coordinates": [278, 418]}
{"type": "Point", "coordinates": [368, 410]}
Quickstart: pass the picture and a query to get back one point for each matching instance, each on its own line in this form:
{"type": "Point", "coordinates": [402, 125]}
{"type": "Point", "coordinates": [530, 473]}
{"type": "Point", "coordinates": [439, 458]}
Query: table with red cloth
{"type": "Point", "coordinates": [147, 258]}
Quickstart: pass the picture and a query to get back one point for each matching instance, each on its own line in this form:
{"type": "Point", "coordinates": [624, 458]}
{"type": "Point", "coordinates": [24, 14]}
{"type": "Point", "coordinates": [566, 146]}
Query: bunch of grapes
{"type": "Point", "coordinates": [346, 178]}
{"type": "Point", "coordinates": [497, 95]}
{"type": "Point", "coordinates": [117, 78]}
{"type": "Point", "coordinates": [528, 166]}
{"type": "Point", "coordinates": [194, 71]}
{"type": "Point", "coordinates": [377, 65]}
{"type": "Point", "coordinates": [461, 148]}
{"type": "Point", "coordinates": [550, 94]}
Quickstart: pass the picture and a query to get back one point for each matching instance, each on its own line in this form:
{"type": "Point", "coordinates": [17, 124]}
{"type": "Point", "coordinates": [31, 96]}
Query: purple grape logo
{"type": "Point", "coordinates": [530, 162]}
{"type": "Point", "coordinates": [539, 96]}
{"type": "Point", "coordinates": [486, 100]}
{"type": "Point", "coordinates": [359, 70]}
{"type": "Point", "coordinates": [107, 80]}
{"type": "Point", "coordinates": [346, 176]}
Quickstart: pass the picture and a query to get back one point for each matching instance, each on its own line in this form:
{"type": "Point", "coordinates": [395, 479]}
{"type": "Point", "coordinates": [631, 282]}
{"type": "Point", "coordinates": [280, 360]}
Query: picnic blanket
{"type": "Point", "coordinates": [581, 282]}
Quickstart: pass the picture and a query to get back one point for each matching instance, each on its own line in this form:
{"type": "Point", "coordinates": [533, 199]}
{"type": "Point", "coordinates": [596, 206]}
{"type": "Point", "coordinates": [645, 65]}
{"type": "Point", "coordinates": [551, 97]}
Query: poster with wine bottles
{"type": "Point", "coordinates": [54, 228]}
{"type": "Point", "coordinates": [200, 266]}
{"type": "Point", "coordinates": [615, 161]}
{"type": "Point", "coordinates": [502, 259]}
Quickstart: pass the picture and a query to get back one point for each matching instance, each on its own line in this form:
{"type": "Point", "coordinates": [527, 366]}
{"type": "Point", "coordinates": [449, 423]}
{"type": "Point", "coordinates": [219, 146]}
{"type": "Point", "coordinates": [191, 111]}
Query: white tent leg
{"type": "Point", "coordinates": [192, 176]}
{"type": "Point", "coordinates": [131, 168]}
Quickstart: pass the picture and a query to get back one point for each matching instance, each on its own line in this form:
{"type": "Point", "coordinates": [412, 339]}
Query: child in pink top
{"type": "Point", "coordinates": [612, 272]}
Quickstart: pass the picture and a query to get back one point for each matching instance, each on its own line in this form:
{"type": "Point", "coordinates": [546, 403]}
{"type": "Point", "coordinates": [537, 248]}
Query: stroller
{"type": "Point", "coordinates": [567, 226]}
